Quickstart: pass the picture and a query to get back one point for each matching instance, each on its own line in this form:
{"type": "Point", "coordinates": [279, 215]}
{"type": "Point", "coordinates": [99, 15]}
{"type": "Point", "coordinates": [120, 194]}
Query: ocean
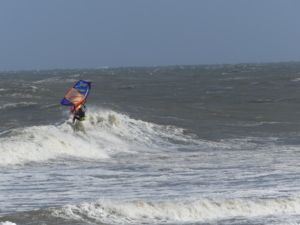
{"type": "Point", "coordinates": [206, 144]}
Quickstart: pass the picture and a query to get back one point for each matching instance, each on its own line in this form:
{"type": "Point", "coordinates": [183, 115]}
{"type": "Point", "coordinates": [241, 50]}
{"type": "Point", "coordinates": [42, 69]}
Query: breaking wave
{"type": "Point", "coordinates": [7, 223]}
{"type": "Point", "coordinates": [103, 134]}
{"type": "Point", "coordinates": [147, 212]}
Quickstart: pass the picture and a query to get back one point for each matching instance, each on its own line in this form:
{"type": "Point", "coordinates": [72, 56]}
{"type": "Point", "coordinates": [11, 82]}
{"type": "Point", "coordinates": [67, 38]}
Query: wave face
{"type": "Point", "coordinates": [164, 212]}
{"type": "Point", "coordinates": [104, 133]}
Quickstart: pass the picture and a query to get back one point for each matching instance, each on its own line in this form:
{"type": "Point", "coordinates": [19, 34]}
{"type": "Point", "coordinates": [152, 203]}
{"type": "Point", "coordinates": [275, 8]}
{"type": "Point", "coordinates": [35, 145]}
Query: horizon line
{"type": "Point", "coordinates": [141, 66]}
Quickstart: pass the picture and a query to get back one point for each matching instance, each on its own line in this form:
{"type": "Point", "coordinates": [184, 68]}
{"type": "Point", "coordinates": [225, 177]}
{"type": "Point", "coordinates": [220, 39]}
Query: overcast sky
{"type": "Point", "coordinates": [48, 34]}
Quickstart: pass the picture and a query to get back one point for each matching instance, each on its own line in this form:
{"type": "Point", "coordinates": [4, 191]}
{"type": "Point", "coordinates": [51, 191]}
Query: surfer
{"type": "Point", "coordinates": [78, 112]}
{"type": "Point", "coordinates": [76, 98]}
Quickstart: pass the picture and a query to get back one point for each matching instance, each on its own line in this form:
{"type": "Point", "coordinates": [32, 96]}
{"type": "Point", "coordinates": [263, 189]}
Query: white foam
{"type": "Point", "coordinates": [20, 95]}
{"type": "Point", "coordinates": [52, 79]}
{"type": "Point", "coordinates": [104, 133]}
{"type": "Point", "coordinates": [18, 104]}
{"type": "Point", "coordinates": [33, 88]}
{"type": "Point", "coordinates": [70, 80]}
{"type": "Point", "coordinates": [55, 79]}
{"type": "Point", "coordinates": [138, 212]}
{"type": "Point", "coordinates": [7, 223]}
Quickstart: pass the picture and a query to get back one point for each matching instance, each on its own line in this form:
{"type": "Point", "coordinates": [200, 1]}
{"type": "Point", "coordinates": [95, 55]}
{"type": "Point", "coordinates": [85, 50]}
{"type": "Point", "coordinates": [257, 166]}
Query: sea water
{"type": "Point", "coordinates": [214, 144]}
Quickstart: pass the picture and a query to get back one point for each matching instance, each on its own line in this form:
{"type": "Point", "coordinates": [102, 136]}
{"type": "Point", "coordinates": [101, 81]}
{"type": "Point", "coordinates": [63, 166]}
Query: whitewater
{"type": "Point", "coordinates": [164, 145]}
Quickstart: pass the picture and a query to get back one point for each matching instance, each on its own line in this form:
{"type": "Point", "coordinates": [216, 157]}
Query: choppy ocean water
{"type": "Point", "coordinates": [160, 145]}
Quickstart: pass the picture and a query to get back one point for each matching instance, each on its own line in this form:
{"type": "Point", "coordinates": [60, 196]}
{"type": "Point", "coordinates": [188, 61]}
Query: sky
{"type": "Point", "coordinates": [52, 34]}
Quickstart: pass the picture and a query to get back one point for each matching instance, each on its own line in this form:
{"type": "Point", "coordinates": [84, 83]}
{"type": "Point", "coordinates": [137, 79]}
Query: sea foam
{"type": "Point", "coordinates": [151, 212]}
{"type": "Point", "coordinates": [7, 223]}
{"type": "Point", "coordinates": [103, 134]}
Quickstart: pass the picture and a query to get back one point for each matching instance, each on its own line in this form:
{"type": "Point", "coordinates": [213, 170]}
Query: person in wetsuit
{"type": "Point", "coordinates": [79, 113]}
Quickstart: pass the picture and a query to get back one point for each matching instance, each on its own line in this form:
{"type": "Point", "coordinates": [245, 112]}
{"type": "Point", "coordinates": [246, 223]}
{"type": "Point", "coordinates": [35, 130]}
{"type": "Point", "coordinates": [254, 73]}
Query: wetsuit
{"type": "Point", "coordinates": [79, 114]}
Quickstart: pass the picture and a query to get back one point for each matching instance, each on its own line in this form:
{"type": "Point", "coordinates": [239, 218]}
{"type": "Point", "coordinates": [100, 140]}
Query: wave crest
{"type": "Point", "coordinates": [103, 133]}
{"type": "Point", "coordinates": [114, 212]}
